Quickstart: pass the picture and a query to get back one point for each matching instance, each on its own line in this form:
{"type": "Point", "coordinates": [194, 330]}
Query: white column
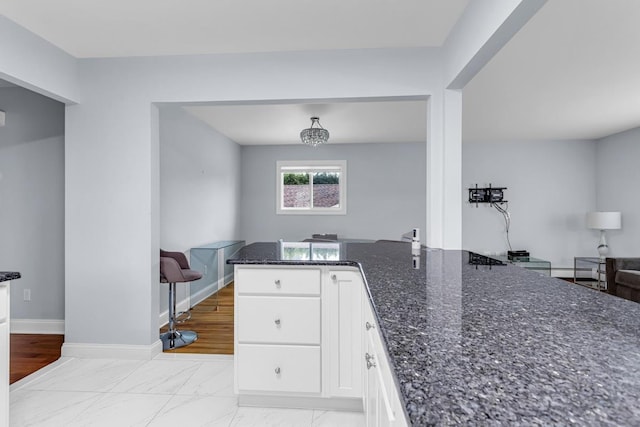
{"type": "Point", "coordinates": [112, 229]}
{"type": "Point", "coordinates": [444, 170]}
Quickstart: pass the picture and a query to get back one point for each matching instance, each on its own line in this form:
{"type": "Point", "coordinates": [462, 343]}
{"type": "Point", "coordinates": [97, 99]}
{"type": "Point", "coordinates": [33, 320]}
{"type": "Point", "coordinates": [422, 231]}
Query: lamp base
{"type": "Point", "coordinates": [603, 251]}
{"type": "Point", "coordinates": [603, 248]}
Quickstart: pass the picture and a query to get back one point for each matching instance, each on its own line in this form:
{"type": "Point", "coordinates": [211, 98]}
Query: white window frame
{"type": "Point", "coordinates": [302, 166]}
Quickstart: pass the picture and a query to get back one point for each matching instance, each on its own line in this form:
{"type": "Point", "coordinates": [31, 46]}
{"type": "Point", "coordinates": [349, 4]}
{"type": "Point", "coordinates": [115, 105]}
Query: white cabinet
{"type": "Point", "coordinates": [298, 336]}
{"type": "Point", "coordinates": [4, 302]}
{"type": "Point", "coordinates": [279, 320]}
{"type": "Point", "coordinates": [277, 281]}
{"type": "Point", "coordinates": [306, 336]}
{"type": "Point", "coordinates": [382, 402]}
{"type": "Point", "coordinates": [278, 324]}
{"type": "Point", "coordinates": [344, 292]}
{"type": "Point", "coordinates": [279, 368]}
{"type": "Point", "coordinates": [4, 353]}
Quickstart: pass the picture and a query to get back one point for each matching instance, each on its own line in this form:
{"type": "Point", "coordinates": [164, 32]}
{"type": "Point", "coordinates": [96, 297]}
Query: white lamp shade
{"type": "Point", "coordinates": [604, 220]}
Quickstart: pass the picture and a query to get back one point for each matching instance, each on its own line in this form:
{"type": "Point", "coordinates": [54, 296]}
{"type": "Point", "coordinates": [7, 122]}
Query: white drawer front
{"type": "Point", "coordinates": [278, 281]}
{"type": "Point", "coordinates": [279, 368]}
{"type": "Point", "coordinates": [278, 320]}
{"type": "Point", "coordinates": [4, 297]}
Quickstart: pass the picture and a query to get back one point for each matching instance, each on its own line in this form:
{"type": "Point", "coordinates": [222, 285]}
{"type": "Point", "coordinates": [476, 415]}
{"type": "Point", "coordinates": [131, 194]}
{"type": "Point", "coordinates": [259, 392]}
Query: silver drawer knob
{"type": "Point", "coordinates": [277, 321]}
{"type": "Point", "coordinates": [334, 277]}
{"type": "Point", "coordinates": [371, 363]}
{"type": "Point", "coordinates": [277, 282]}
{"type": "Point", "coordinates": [278, 370]}
{"type": "Point", "coordinates": [368, 326]}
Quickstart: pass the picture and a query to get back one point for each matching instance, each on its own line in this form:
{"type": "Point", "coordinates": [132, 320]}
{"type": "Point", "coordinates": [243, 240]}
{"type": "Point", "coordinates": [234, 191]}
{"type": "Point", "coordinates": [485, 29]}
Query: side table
{"type": "Point", "coordinates": [211, 261]}
{"type": "Point", "coordinates": [595, 266]}
{"type": "Point", "coordinates": [542, 266]}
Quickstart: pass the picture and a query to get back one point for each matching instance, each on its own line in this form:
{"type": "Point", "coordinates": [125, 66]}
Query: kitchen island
{"type": "Point", "coordinates": [491, 344]}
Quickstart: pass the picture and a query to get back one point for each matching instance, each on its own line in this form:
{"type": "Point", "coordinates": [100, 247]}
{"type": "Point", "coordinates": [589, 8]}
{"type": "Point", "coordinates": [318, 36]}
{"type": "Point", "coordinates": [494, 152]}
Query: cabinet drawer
{"type": "Point", "coordinates": [278, 320]}
{"type": "Point", "coordinates": [4, 302]}
{"type": "Point", "coordinates": [278, 281]}
{"type": "Point", "coordinates": [279, 368]}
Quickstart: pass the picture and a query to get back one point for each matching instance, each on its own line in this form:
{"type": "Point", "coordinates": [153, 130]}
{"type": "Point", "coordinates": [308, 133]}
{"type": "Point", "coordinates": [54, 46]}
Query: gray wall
{"type": "Point", "coordinates": [386, 192]}
{"type": "Point", "coordinates": [32, 198]}
{"type": "Point", "coordinates": [551, 187]}
{"type": "Point", "coordinates": [618, 181]}
{"type": "Point", "coordinates": [199, 186]}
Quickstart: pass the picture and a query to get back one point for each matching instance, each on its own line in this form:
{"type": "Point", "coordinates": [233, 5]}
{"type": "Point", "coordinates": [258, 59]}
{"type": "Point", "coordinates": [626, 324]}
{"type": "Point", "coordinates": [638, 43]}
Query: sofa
{"type": "Point", "coordinates": [623, 277]}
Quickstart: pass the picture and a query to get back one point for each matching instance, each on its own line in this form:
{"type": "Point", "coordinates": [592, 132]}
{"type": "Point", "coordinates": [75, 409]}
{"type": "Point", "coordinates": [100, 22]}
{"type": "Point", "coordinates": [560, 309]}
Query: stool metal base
{"type": "Point", "coordinates": [177, 339]}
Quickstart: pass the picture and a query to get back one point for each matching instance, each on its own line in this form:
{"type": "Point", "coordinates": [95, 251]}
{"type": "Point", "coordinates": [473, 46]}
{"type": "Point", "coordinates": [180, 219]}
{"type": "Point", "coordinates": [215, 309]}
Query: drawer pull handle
{"type": "Point", "coordinates": [277, 322]}
{"type": "Point", "coordinates": [278, 284]}
{"type": "Point", "coordinates": [278, 370]}
{"type": "Point", "coordinates": [371, 363]}
{"type": "Point", "coordinates": [369, 326]}
{"type": "Point", "coordinates": [334, 277]}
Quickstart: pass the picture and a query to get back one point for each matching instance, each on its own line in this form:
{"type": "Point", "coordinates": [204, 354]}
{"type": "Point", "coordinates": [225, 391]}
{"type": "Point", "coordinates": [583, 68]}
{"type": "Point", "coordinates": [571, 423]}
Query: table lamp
{"type": "Point", "coordinates": [604, 221]}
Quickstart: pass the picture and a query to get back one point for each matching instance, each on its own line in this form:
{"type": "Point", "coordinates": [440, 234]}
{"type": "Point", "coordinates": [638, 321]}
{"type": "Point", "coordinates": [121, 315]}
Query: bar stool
{"type": "Point", "coordinates": [174, 268]}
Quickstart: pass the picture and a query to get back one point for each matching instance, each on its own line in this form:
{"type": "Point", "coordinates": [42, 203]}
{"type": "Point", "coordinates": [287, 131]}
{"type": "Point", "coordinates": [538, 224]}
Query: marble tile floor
{"type": "Point", "coordinates": [169, 390]}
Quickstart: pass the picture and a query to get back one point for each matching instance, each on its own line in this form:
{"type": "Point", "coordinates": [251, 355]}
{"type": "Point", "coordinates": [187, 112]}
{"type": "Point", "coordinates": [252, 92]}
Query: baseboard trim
{"type": "Point", "coordinates": [295, 402]}
{"type": "Point", "coordinates": [112, 351]}
{"type": "Point", "coordinates": [38, 374]}
{"type": "Point", "coordinates": [37, 326]}
{"type": "Point", "coordinates": [561, 272]}
{"type": "Point", "coordinates": [195, 357]}
{"type": "Point", "coordinates": [195, 299]}
{"type": "Point", "coordinates": [180, 306]}
{"type": "Point", "coordinates": [204, 293]}
{"type": "Point", "coordinates": [228, 279]}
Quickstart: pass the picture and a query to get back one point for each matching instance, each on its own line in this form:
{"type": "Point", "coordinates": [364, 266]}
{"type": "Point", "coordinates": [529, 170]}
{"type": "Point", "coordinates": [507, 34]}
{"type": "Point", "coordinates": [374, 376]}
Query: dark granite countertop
{"type": "Point", "coordinates": [9, 275]}
{"type": "Point", "coordinates": [494, 344]}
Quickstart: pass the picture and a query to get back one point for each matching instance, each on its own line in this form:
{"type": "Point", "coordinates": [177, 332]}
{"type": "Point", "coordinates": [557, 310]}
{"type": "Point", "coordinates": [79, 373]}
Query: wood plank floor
{"type": "Point", "coordinates": [30, 352]}
{"type": "Point", "coordinates": [214, 327]}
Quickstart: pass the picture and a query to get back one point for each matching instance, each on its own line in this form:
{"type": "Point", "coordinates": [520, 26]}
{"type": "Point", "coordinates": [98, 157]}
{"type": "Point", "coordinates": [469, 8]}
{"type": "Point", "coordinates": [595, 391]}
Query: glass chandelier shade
{"type": "Point", "coordinates": [314, 136]}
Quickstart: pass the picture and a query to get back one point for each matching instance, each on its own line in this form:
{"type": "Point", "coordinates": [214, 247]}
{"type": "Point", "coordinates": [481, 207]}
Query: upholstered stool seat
{"type": "Point", "coordinates": [174, 268]}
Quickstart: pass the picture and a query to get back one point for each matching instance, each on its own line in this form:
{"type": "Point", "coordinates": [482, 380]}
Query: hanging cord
{"type": "Point", "coordinates": [507, 220]}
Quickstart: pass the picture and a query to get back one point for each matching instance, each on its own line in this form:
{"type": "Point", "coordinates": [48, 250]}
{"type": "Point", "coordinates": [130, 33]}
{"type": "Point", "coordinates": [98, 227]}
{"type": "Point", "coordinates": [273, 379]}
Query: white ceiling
{"type": "Point", "coordinates": [573, 72]}
{"type": "Point", "coordinates": [347, 122]}
{"type": "Point", "coordinates": [171, 27]}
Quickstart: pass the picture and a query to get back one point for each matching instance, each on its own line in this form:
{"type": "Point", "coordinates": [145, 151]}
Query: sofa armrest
{"type": "Point", "coordinates": [615, 264]}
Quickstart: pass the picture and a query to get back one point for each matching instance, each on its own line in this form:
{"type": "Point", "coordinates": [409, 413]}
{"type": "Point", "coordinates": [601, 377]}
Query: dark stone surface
{"type": "Point", "coordinates": [495, 344]}
{"type": "Point", "coordinates": [9, 275]}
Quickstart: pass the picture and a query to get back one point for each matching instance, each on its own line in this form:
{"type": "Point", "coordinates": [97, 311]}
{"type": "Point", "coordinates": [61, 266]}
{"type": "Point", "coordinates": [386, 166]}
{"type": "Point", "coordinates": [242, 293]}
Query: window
{"type": "Point", "coordinates": [317, 187]}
